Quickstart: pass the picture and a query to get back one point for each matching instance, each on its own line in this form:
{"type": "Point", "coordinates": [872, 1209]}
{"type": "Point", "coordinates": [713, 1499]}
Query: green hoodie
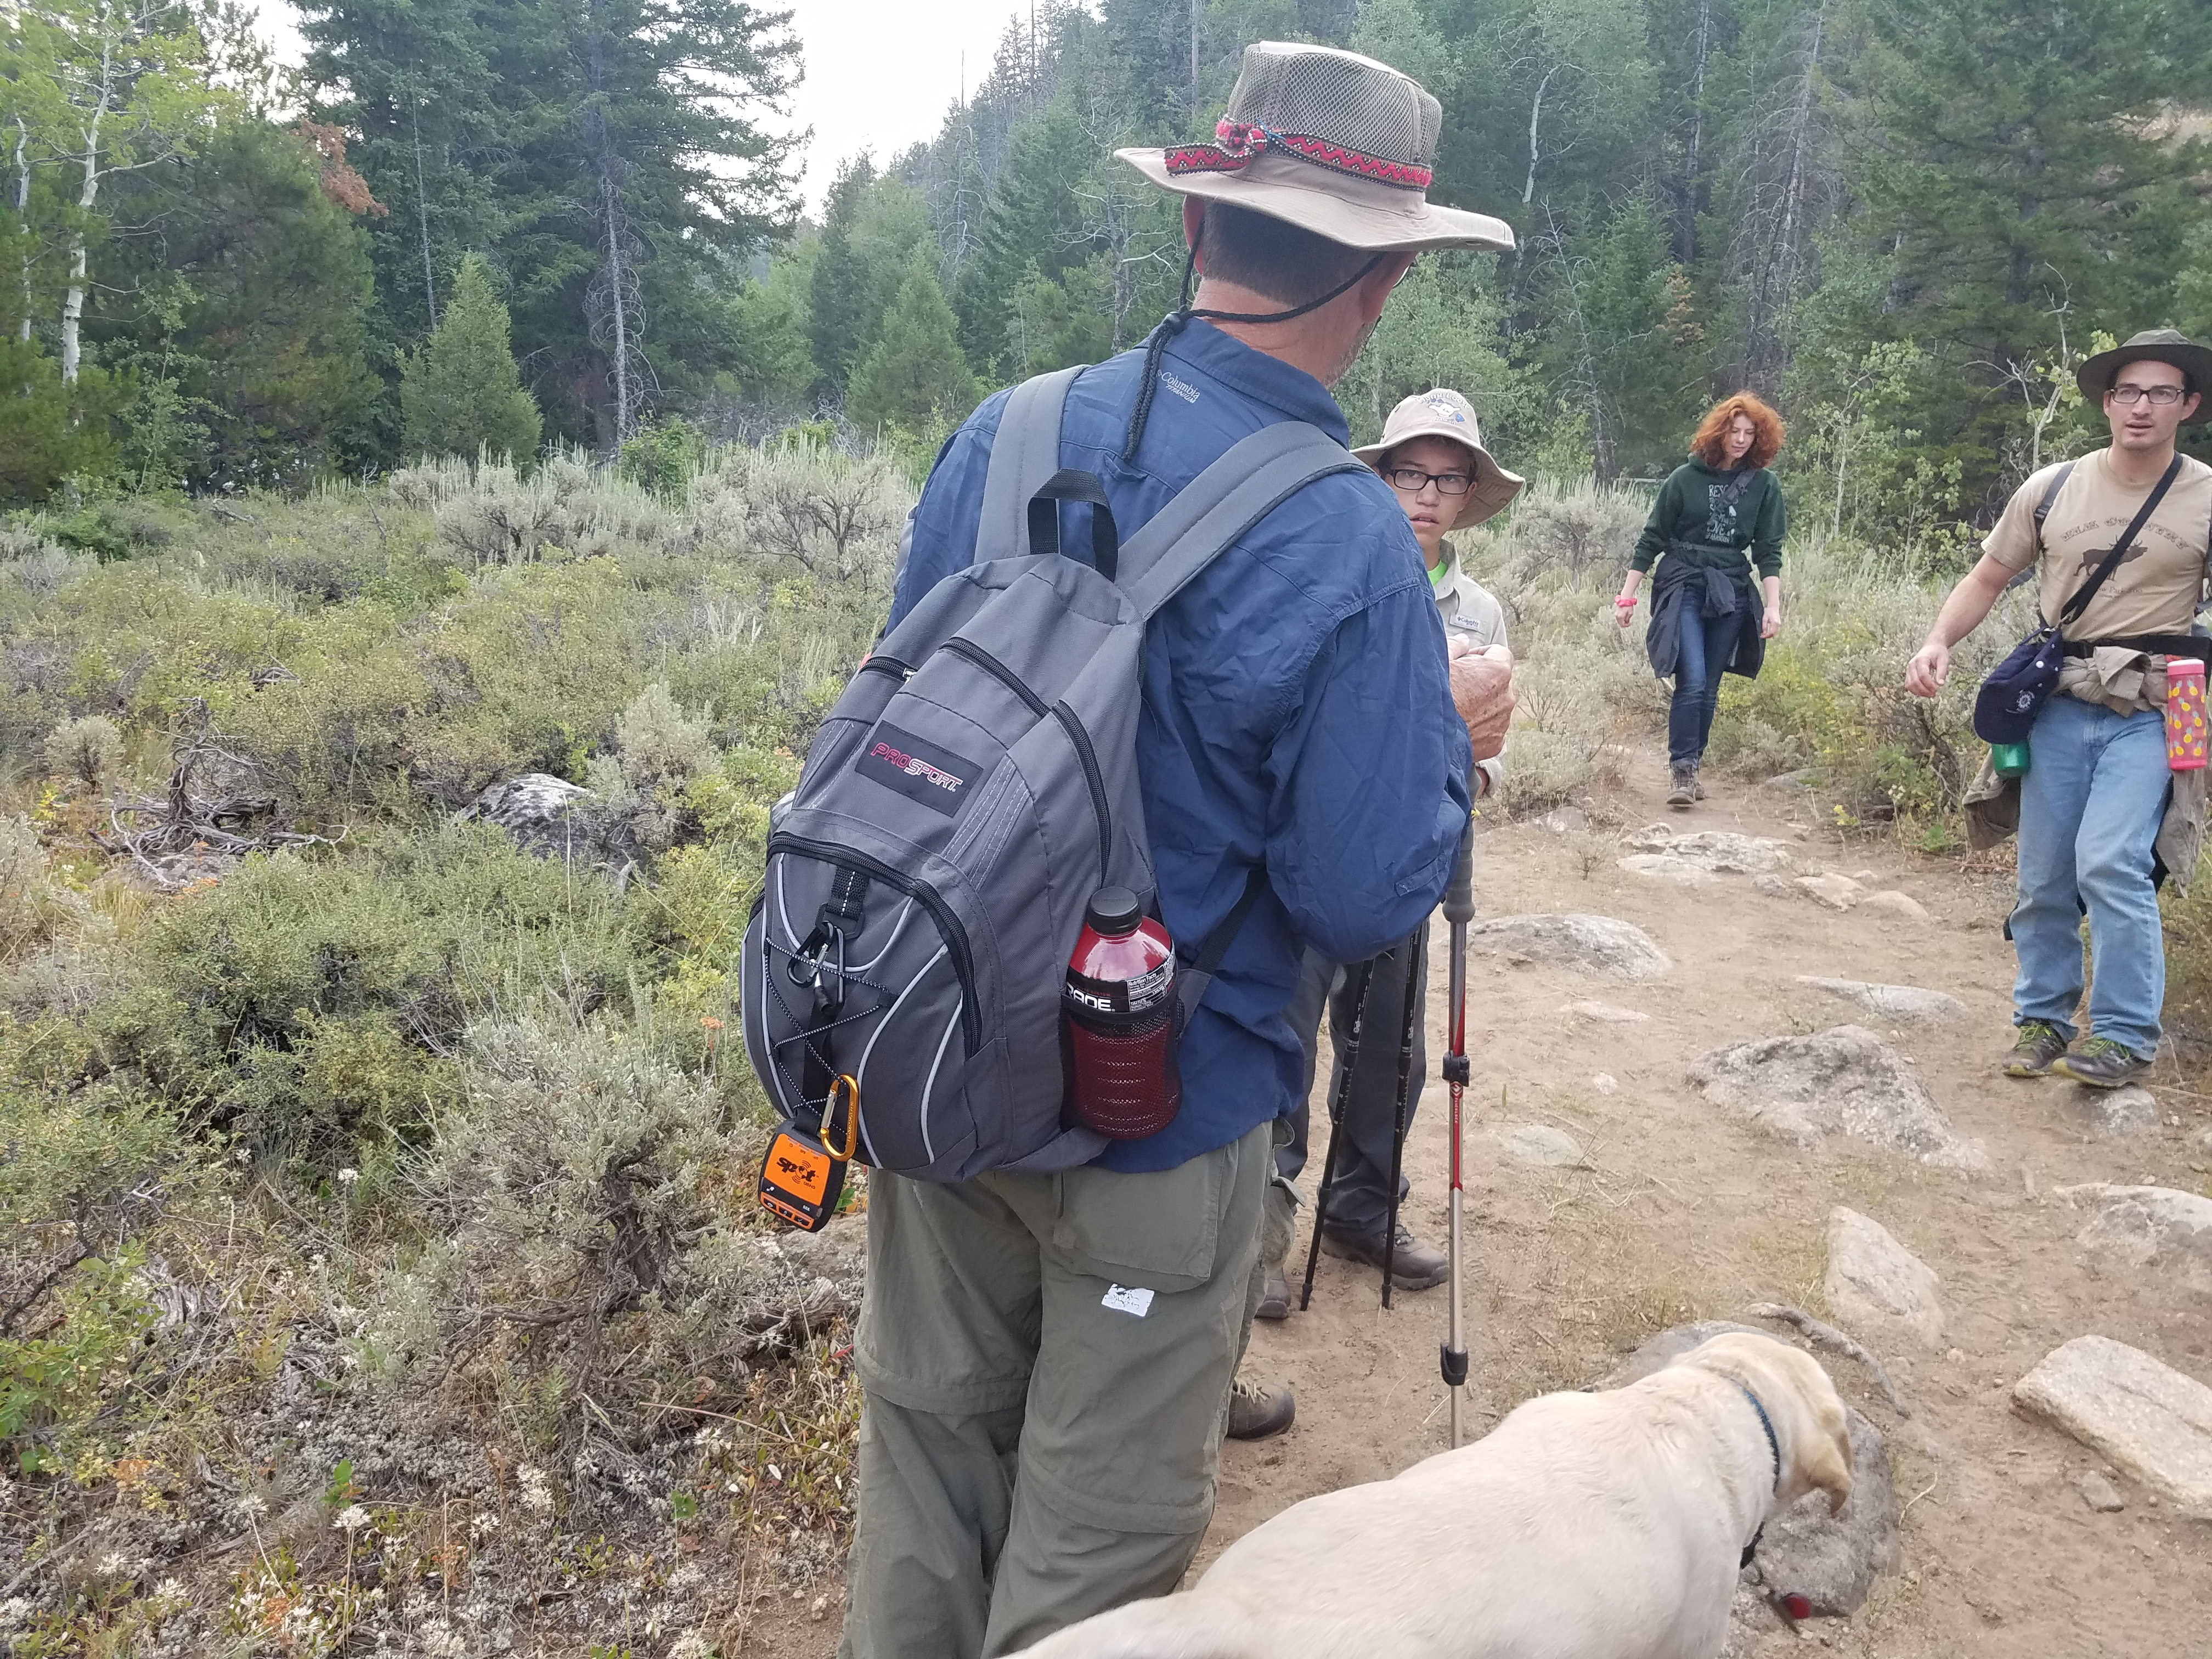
{"type": "Point", "coordinates": [1692, 521]}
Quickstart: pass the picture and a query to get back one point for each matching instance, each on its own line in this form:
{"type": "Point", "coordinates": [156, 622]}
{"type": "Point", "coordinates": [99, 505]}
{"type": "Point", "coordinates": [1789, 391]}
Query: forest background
{"type": "Point", "coordinates": [1904, 223]}
{"type": "Point", "coordinates": [445, 488]}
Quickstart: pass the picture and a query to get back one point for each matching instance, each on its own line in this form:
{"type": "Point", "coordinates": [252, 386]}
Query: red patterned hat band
{"type": "Point", "coordinates": [1241, 142]}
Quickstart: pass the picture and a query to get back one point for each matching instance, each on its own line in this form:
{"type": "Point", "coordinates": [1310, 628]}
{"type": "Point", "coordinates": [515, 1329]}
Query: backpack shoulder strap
{"type": "Point", "coordinates": [2049, 500]}
{"type": "Point", "coordinates": [1214, 509]}
{"type": "Point", "coordinates": [1024, 453]}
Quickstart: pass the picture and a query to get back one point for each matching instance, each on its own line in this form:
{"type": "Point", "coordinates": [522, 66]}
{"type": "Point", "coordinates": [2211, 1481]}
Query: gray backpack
{"type": "Point", "coordinates": [971, 789]}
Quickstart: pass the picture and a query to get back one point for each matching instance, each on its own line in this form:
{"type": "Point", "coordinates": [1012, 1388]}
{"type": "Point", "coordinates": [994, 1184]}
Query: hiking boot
{"type": "Point", "coordinates": [2102, 1064]}
{"type": "Point", "coordinates": [1697, 785]}
{"type": "Point", "coordinates": [1682, 784]}
{"type": "Point", "coordinates": [1413, 1266]}
{"type": "Point", "coordinates": [2040, 1044]}
{"type": "Point", "coordinates": [1274, 1294]}
{"type": "Point", "coordinates": [1257, 1410]}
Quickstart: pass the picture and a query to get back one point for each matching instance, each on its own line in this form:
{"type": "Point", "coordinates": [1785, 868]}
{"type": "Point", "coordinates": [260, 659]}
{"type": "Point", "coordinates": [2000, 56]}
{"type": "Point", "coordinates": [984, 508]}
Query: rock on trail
{"type": "Point", "coordinates": [1898, 1002]}
{"type": "Point", "coordinates": [2132, 1110]}
{"type": "Point", "coordinates": [2150, 1227]}
{"type": "Point", "coordinates": [1605, 1013]}
{"type": "Point", "coordinates": [1665, 866]}
{"type": "Point", "coordinates": [1722, 852]}
{"type": "Point", "coordinates": [1878, 1287]}
{"type": "Point", "coordinates": [1591, 944]}
{"type": "Point", "coordinates": [2153, 1423]}
{"type": "Point", "coordinates": [1539, 1146]}
{"type": "Point", "coordinates": [1843, 1081]}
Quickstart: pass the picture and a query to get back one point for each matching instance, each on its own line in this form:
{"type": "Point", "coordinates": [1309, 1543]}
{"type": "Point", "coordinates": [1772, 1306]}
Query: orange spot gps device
{"type": "Point", "coordinates": [803, 1175]}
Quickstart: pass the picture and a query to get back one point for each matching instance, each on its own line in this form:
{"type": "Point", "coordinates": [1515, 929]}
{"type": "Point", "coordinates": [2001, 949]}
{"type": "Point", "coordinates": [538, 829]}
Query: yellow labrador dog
{"type": "Point", "coordinates": [1585, 1525]}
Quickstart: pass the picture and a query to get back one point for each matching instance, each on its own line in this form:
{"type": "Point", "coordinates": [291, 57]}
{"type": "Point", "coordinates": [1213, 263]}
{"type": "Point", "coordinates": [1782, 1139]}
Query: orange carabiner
{"type": "Point", "coordinates": [851, 1091]}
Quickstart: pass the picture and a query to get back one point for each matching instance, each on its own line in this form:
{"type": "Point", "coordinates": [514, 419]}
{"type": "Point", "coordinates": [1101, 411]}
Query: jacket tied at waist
{"type": "Point", "coordinates": [1683, 592]}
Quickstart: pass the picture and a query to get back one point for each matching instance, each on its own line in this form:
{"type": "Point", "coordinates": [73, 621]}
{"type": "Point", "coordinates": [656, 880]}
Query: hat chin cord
{"type": "Point", "coordinates": [1179, 318]}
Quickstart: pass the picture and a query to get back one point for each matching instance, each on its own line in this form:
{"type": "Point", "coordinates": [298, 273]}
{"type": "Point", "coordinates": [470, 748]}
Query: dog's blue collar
{"type": "Point", "coordinates": [1774, 1446]}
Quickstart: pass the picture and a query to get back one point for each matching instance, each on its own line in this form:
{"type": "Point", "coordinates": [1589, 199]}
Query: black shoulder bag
{"type": "Point", "coordinates": [2014, 694]}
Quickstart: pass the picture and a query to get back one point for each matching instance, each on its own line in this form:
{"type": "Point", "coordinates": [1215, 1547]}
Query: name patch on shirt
{"type": "Point", "coordinates": [1183, 389]}
{"type": "Point", "coordinates": [917, 767]}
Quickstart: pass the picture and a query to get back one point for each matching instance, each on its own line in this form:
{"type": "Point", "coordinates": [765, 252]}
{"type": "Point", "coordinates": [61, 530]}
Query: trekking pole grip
{"type": "Point", "coordinates": [1459, 897]}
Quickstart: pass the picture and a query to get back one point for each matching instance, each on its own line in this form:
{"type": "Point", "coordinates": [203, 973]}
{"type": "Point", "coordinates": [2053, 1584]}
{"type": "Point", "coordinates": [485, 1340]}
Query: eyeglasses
{"type": "Point", "coordinates": [2158, 396]}
{"type": "Point", "coordinates": [1412, 478]}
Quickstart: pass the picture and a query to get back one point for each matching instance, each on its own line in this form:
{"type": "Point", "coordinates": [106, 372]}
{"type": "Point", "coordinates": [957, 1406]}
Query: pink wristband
{"type": "Point", "coordinates": [1624, 602]}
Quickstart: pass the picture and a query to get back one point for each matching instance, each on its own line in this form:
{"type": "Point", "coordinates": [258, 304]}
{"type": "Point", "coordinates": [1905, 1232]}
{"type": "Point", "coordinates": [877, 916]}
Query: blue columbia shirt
{"type": "Point", "coordinates": [1298, 713]}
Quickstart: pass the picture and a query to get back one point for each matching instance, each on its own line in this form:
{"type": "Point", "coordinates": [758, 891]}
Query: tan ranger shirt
{"type": "Point", "coordinates": [2156, 587]}
{"type": "Point", "coordinates": [1471, 612]}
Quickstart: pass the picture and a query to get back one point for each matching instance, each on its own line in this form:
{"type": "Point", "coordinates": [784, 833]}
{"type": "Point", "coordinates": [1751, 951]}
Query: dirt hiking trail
{"type": "Point", "coordinates": [1684, 1212]}
{"type": "Point", "coordinates": [1681, 1210]}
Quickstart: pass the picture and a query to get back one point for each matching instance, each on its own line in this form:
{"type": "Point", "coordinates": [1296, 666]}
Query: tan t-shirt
{"type": "Point", "coordinates": [2156, 587]}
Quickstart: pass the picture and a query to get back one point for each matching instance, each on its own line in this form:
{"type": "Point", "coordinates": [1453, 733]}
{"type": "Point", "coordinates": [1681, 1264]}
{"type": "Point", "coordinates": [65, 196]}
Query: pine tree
{"type": "Point", "coordinates": [914, 371]}
{"type": "Point", "coordinates": [461, 392]}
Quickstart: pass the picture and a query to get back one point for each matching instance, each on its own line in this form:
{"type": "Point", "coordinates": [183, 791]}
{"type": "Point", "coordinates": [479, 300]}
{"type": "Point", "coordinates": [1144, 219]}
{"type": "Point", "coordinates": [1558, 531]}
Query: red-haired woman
{"type": "Point", "coordinates": [1715, 519]}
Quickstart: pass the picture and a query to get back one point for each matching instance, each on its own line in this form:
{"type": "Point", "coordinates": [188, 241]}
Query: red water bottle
{"type": "Point", "coordinates": [1118, 1016]}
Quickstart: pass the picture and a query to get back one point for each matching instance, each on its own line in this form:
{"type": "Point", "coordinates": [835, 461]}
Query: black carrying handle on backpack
{"type": "Point", "coordinates": [1069, 485]}
{"type": "Point", "coordinates": [2074, 607]}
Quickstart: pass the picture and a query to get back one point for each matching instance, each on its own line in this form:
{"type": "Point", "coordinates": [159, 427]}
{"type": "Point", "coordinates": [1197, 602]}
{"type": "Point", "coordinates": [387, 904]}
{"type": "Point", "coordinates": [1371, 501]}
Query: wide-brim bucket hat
{"type": "Point", "coordinates": [1329, 141]}
{"type": "Point", "coordinates": [2158, 345]}
{"type": "Point", "coordinates": [1442, 413]}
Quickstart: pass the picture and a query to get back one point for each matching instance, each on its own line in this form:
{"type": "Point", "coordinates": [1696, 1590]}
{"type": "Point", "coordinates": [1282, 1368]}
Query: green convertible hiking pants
{"type": "Point", "coordinates": [1045, 1361]}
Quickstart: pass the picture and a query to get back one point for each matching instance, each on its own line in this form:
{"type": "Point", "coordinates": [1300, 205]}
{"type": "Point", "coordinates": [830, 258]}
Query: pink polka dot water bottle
{"type": "Point", "coordinates": [1118, 1020]}
{"type": "Point", "coordinates": [2185, 730]}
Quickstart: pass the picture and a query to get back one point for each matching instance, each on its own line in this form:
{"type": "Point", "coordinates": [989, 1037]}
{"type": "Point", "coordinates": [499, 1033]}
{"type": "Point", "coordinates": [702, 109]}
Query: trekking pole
{"type": "Point", "coordinates": [1362, 976]}
{"type": "Point", "coordinates": [1459, 911]}
{"type": "Point", "coordinates": [1413, 950]}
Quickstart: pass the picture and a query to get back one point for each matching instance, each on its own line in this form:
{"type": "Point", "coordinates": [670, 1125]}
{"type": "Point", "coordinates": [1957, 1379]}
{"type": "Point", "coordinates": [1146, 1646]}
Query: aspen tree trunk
{"type": "Point", "coordinates": [80, 249]}
{"type": "Point", "coordinates": [22, 217]}
{"type": "Point", "coordinates": [1535, 115]}
{"type": "Point", "coordinates": [423, 218]}
{"type": "Point", "coordinates": [1685, 242]}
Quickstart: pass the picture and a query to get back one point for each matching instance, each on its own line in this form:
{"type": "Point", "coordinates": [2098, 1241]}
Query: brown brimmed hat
{"type": "Point", "coordinates": [1331, 142]}
{"type": "Point", "coordinates": [1442, 413]}
{"type": "Point", "coordinates": [2155, 345]}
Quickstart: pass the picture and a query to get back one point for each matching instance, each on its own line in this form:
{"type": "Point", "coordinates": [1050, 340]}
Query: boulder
{"type": "Point", "coordinates": [1837, 892]}
{"type": "Point", "coordinates": [1540, 1144]}
{"type": "Point", "coordinates": [1895, 904]}
{"type": "Point", "coordinates": [1775, 886]}
{"type": "Point", "coordinates": [1590, 945]}
{"type": "Point", "coordinates": [1843, 1081]}
{"type": "Point", "coordinates": [2131, 1110]}
{"type": "Point", "coordinates": [1721, 851]}
{"type": "Point", "coordinates": [2148, 1420]}
{"type": "Point", "coordinates": [1605, 1013]}
{"type": "Point", "coordinates": [1665, 866]}
{"type": "Point", "coordinates": [1877, 1285]}
{"type": "Point", "coordinates": [2156, 1227]}
{"type": "Point", "coordinates": [554, 819]}
{"type": "Point", "coordinates": [1903, 1003]}
{"type": "Point", "coordinates": [1831, 1560]}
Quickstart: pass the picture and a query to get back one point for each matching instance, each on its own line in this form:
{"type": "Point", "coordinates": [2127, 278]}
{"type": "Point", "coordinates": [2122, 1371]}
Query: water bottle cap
{"type": "Point", "coordinates": [1114, 912]}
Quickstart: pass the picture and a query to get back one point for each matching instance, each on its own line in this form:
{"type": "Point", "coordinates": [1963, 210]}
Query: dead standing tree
{"type": "Point", "coordinates": [1122, 215]}
{"type": "Point", "coordinates": [1790, 190]}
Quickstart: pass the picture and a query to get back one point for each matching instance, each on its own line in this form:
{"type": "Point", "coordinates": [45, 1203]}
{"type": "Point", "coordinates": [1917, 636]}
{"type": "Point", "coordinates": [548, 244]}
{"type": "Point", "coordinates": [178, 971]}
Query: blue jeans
{"type": "Point", "coordinates": [2089, 810]}
{"type": "Point", "coordinates": [1707, 645]}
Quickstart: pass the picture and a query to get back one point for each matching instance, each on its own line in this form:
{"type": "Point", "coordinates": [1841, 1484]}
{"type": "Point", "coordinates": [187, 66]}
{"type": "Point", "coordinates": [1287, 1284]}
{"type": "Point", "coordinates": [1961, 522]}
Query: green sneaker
{"type": "Point", "coordinates": [2102, 1064]}
{"type": "Point", "coordinates": [2040, 1044]}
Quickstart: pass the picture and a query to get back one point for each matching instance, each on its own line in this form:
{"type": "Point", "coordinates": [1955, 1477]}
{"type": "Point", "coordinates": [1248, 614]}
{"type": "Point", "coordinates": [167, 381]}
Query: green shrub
{"type": "Point", "coordinates": [86, 750]}
{"type": "Point", "coordinates": [311, 1006]}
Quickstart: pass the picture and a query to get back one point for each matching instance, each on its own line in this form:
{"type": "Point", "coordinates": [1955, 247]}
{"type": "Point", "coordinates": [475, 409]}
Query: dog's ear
{"type": "Point", "coordinates": [1828, 1464]}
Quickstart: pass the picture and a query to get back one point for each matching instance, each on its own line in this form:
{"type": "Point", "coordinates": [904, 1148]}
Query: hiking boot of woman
{"type": "Point", "coordinates": [1257, 1410]}
{"type": "Point", "coordinates": [1683, 784]}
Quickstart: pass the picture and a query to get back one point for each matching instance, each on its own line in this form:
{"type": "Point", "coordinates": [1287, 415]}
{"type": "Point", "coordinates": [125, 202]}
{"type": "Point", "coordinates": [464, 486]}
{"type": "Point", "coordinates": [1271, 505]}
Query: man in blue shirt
{"type": "Point", "coordinates": [1046, 1359]}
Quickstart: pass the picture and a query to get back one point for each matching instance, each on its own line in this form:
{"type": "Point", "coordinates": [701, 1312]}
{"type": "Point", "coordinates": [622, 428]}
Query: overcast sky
{"type": "Point", "coordinates": [879, 73]}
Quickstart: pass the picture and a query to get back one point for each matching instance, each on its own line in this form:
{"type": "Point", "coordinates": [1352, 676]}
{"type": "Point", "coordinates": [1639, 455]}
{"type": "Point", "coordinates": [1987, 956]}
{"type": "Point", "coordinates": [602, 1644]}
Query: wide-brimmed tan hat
{"type": "Point", "coordinates": [2155, 345]}
{"type": "Point", "coordinates": [1442, 413]}
{"type": "Point", "coordinates": [1332, 141]}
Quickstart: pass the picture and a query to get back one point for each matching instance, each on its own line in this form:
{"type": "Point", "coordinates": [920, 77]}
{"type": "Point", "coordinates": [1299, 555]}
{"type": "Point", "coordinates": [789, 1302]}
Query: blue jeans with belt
{"type": "Point", "coordinates": [1706, 645]}
{"type": "Point", "coordinates": [2090, 807]}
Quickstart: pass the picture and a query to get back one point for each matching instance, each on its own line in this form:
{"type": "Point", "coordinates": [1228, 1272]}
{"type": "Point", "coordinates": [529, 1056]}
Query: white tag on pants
{"type": "Point", "coordinates": [1124, 1300]}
